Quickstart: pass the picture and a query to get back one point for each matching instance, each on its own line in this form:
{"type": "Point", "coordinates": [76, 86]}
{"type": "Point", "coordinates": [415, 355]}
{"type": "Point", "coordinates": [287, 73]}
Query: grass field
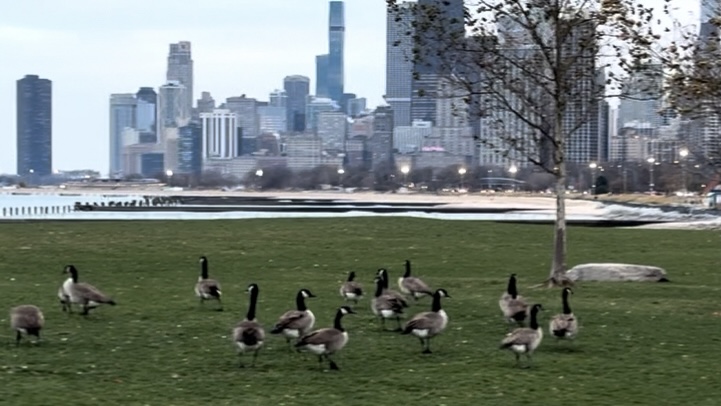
{"type": "Point", "coordinates": [640, 344]}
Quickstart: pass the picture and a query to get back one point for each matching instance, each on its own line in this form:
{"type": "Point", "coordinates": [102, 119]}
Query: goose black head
{"type": "Point", "coordinates": [346, 310]}
{"type": "Point", "coordinates": [442, 293]}
{"type": "Point", "coordinates": [306, 293]}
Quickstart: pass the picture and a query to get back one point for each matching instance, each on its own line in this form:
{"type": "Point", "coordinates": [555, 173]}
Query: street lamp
{"type": "Point", "coordinates": [651, 161]}
{"type": "Point", "coordinates": [461, 172]}
{"type": "Point", "coordinates": [513, 170]}
{"type": "Point", "coordinates": [169, 175]}
{"type": "Point", "coordinates": [593, 167]}
{"type": "Point", "coordinates": [683, 153]}
{"type": "Point", "coordinates": [259, 174]}
{"type": "Point", "coordinates": [341, 171]}
{"type": "Point", "coordinates": [404, 170]}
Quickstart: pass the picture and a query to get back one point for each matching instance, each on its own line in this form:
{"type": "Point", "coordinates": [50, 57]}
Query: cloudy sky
{"type": "Point", "coordinates": [92, 48]}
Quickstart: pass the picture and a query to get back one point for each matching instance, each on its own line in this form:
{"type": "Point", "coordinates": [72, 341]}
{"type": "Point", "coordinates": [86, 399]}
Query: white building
{"type": "Point", "coordinates": [410, 139]}
{"type": "Point", "coordinates": [220, 134]}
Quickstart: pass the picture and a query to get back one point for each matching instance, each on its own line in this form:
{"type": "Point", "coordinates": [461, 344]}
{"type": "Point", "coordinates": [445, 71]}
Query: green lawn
{"type": "Point", "coordinates": [642, 344]}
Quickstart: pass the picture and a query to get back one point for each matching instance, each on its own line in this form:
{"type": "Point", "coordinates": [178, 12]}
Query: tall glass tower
{"type": "Point", "coordinates": [34, 126]}
{"type": "Point", "coordinates": [296, 88]}
{"type": "Point", "coordinates": [180, 68]}
{"type": "Point", "coordinates": [336, 39]}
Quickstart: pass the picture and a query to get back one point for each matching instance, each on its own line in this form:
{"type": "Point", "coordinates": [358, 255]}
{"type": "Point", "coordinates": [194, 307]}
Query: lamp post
{"type": "Point", "coordinates": [169, 176]}
{"type": "Point", "coordinates": [513, 170]}
{"type": "Point", "coordinates": [461, 172]}
{"type": "Point", "coordinates": [593, 167]}
{"type": "Point", "coordinates": [404, 170]}
{"type": "Point", "coordinates": [259, 174]}
{"type": "Point", "coordinates": [651, 161]}
{"type": "Point", "coordinates": [341, 171]}
{"type": "Point", "coordinates": [683, 153]}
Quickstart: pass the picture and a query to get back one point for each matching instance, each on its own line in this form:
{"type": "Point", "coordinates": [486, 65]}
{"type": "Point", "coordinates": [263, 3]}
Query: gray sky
{"type": "Point", "coordinates": [92, 48]}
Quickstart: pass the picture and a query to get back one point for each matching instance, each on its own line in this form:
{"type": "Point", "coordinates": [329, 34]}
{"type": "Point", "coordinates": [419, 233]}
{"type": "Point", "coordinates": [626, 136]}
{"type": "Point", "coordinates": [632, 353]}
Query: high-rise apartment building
{"type": "Point", "coordinates": [190, 149]}
{"type": "Point", "coordinates": [246, 110]}
{"type": "Point", "coordinates": [642, 98]}
{"type": "Point", "coordinates": [399, 62]}
{"type": "Point", "coordinates": [34, 126]}
{"type": "Point", "coordinates": [297, 89]}
{"type": "Point", "coordinates": [220, 134]}
{"type": "Point", "coordinates": [180, 68]}
{"type": "Point", "coordinates": [435, 59]}
{"type": "Point", "coordinates": [122, 117]}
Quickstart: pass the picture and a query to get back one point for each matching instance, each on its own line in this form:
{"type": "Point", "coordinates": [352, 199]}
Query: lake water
{"type": "Point", "coordinates": [63, 205]}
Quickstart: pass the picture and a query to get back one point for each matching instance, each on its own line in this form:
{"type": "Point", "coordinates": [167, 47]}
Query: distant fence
{"type": "Point", "coordinates": [34, 211]}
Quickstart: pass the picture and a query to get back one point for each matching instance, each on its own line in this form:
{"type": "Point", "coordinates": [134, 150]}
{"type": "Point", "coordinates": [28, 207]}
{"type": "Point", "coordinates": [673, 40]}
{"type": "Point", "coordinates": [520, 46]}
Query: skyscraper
{"type": "Point", "coordinates": [399, 62]}
{"type": "Point", "coordinates": [321, 76]}
{"type": "Point", "coordinates": [34, 126]}
{"type": "Point", "coordinates": [444, 31]}
{"type": "Point", "coordinates": [173, 113]}
{"type": "Point", "coordinates": [220, 134]}
{"type": "Point", "coordinates": [122, 116]}
{"type": "Point", "coordinates": [190, 149]}
{"type": "Point", "coordinates": [146, 113]}
{"type": "Point", "coordinates": [336, 39]}
{"type": "Point", "coordinates": [297, 89]}
{"type": "Point", "coordinates": [180, 68]}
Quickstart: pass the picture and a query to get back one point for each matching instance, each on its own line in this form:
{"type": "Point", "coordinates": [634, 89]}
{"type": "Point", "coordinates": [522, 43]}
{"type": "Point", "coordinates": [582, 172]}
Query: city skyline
{"type": "Point", "coordinates": [89, 60]}
{"type": "Point", "coordinates": [130, 50]}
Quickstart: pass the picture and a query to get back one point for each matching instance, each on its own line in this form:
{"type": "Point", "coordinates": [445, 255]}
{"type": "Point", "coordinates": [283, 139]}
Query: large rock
{"type": "Point", "coordinates": [616, 273]}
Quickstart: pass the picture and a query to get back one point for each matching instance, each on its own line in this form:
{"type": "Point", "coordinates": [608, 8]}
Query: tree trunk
{"type": "Point", "coordinates": [557, 277]}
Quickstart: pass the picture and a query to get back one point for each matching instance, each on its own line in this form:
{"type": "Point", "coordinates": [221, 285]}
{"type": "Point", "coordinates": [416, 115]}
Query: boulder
{"type": "Point", "coordinates": [611, 272]}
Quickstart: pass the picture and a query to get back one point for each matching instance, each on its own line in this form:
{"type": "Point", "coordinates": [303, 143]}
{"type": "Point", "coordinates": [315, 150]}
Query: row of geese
{"type": "Point", "coordinates": [387, 304]}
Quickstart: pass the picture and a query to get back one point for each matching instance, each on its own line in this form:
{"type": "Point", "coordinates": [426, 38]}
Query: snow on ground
{"type": "Point", "coordinates": [529, 207]}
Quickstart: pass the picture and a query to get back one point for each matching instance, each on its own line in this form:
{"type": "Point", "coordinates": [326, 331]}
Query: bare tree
{"type": "Point", "coordinates": [693, 88]}
{"type": "Point", "coordinates": [533, 74]}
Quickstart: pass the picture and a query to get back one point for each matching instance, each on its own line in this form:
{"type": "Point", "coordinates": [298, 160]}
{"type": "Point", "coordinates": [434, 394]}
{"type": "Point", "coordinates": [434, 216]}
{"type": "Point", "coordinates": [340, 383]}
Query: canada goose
{"type": "Point", "coordinates": [383, 274]}
{"type": "Point", "coordinates": [386, 306]}
{"type": "Point", "coordinates": [64, 296]}
{"type": "Point", "coordinates": [564, 325]}
{"type": "Point", "coordinates": [249, 335]}
{"type": "Point", "coordinates": [84, 294]}
{"type": "Point", "coordinates": [26, 319]}
{"type": "Point", "coordinates": [525, 340]}
{"type": "Point", "coordinates": [427, 325]}
{"type": "Point", "coordinates": [296, 323]}
{"type": "Point", "coordinates": [513, 306]}
{"type": "Point", "coordinates": [327, 341]}
{"type": "Point", "coordinates": [206, 288]}
{"type": "Point", "coordinates": [410, 285]}
{"type": "Point", "coordinates": [351, 290]}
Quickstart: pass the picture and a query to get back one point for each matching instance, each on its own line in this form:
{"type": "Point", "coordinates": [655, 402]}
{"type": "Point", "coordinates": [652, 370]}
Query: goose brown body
{"type": "Point", "coordinates": [83, 294]}
{"type": "Point", "coordinates": [413, 286]}
{"type": "Point", "coordinates": [28, 320]}
{"type": "Point", "coordinates": [565, 324]}
{"type": "Point", "coordinates": [249, 334]}
{"type": "Point", "coordinates": [513, 306]}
